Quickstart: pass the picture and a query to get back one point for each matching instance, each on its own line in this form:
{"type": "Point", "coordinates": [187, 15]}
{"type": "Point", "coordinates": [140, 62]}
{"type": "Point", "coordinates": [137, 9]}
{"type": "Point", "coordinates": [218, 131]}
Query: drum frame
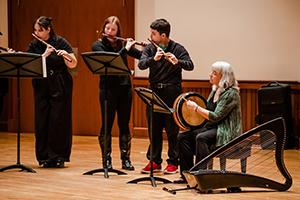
{"type": "Point", "coordinates": [178, 115]}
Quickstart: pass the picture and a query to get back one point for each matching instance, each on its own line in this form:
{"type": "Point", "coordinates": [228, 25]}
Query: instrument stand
{"type": "Point", "coordinates": [105, 63]}
{"type": "Point", "coordinates": [21, 65]}
{"type": "Point", "coordinates": [156, 105]}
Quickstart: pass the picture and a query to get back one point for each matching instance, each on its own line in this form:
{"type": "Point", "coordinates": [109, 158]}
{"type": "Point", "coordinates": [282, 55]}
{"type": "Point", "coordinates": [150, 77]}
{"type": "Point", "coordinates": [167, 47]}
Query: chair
{"type": "Point", "coordinates": [240, 151]}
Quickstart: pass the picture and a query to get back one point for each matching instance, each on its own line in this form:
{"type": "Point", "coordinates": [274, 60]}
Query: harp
{"type": "Point", "coordinates": [252, 160]}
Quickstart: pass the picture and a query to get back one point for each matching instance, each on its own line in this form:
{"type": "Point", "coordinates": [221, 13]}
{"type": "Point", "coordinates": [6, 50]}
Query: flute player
{"type": "Point", "coordinates": [165, 64]}
{"type": "Point", "coordinates": [52, 96]}
{"type": "Point", "coordinates": [118, 89]}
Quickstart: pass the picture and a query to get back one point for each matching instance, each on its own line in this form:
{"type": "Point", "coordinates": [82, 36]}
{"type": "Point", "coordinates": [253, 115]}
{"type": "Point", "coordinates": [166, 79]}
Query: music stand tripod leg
{"type": "Point", "coordinates": [151, 178]}
{"type": "Point", "coordinates": [18, 67]}
{"type": "Point", "coordinates": [105, 169]}
{"type": "Point", "coordinates": [101, 60]}
{"type": "Point", "coordinates": [20, 166]}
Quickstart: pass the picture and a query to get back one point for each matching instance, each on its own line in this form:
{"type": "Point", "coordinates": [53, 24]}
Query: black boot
{"type": "Point", "coordinates": [126, 164]}
{"type": "Point", "coordinates": [108, 162]}
{"type": "Point", "coordinates": [125, 145]}
{"type": "Point", "coordinates": [106, 144]}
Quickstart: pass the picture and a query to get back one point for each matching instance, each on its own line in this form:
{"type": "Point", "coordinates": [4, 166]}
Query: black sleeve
{"type": "Point", "coordinates": [97, 46]}
{"type": "Point", "coordinates": [64, 45]}
{"type": "Point", "coordinates": [30, 48]}
{"type": "Point", "coordinates": [133, 52]}
{"type": "Point", "coordinates": [147, 58]}
{"type": "Point", "coordinates": [184, 60]}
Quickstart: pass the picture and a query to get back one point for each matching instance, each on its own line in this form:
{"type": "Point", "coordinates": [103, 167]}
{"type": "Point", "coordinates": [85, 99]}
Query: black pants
{"type": "Point", "coordinates": [119, 101]}
{"type": "Point", "coordinates": [160, 121]}
{"type": "Point", "coordinates": [53, 116]}
{"type": "Point", "coordinates": [196, 142]}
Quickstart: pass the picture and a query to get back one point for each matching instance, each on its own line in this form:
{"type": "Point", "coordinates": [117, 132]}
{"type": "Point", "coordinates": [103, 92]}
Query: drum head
{"type": "Point", "coordinates": [185, 118]}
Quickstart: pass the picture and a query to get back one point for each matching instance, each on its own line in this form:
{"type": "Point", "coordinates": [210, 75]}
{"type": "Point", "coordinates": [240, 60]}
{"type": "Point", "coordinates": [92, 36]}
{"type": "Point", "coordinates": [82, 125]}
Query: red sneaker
{"type": "Point", "coordinates": [170, 169]}
{"type": "Point", "coordinates": [155, 168]}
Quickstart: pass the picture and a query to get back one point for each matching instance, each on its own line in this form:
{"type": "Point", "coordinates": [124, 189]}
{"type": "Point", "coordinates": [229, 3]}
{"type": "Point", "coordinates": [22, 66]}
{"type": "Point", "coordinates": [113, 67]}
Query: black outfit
{"type": "Point", "coordinates": [53, 106]}
{"type": "Point", "coordinates": [119, 99]}
{"type": "Point", "coordinates": [165, 80]}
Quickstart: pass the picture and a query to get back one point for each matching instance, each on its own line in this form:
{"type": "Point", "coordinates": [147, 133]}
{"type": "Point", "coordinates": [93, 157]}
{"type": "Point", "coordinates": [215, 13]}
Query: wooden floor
{"type": "Point", "coordinates": [69, 183]}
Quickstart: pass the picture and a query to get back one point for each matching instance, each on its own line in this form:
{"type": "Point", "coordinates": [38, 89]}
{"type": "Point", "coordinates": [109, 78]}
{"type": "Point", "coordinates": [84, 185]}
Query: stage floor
{"type": "Point", "coordinates": [69, 183]}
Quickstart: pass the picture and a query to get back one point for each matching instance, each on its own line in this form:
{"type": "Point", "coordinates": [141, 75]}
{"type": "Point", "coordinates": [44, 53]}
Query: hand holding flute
{"type": "Point", "coordinates": [128, 40]}
{"type": "Point", "coordinates": [50, 49]}
{"type": "Point", "coordinates": [160, 53]}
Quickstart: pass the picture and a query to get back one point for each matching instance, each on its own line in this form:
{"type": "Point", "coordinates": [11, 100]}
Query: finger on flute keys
{"type": "Point", "coordinates": [166, 55]}
{"type": "Point", "coordinates": [65, 56]}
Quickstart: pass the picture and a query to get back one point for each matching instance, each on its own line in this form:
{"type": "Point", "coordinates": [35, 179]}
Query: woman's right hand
{"type": "Point", "coordinates": [191, 105]}
{"type": "Point", "coordinates": [129, 43]}
{"type": "Point", "coordinates": [48, 51]}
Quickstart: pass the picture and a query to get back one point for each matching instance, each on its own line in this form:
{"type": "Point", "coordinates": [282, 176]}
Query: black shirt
{"type": "Point", "coordinates": [53, 61]}
{"type": "Point", "coordinates": [163, 71]}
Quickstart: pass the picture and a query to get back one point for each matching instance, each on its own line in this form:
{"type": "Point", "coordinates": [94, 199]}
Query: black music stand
{"type": "Point", "coordinates": [21, 65]}
{"type": "Point", "coordinates": [156, 105]}
{"type": "Point", "coordinates": [105, 63]}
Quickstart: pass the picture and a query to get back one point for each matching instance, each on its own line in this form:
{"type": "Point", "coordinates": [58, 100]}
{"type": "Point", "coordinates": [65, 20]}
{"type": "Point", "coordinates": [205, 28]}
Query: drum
{"type": "Point", "coordinates": [185, 118]}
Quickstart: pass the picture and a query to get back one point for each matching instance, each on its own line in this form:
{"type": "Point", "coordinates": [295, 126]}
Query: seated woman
{"type": "Point", "coordinates": [223, 114]}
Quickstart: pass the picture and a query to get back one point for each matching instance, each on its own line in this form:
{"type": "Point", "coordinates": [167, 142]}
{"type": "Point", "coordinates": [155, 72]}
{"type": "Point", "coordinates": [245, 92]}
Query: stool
{"type": "Point", "coordinates": [240, 151]}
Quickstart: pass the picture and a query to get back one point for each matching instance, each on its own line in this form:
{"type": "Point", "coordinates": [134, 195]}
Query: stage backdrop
{"type": "Point", "coordinates": [259, 37]}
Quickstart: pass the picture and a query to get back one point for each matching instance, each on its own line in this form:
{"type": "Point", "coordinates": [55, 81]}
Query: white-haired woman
{"type": "Point", "coordinates": [223, 114]}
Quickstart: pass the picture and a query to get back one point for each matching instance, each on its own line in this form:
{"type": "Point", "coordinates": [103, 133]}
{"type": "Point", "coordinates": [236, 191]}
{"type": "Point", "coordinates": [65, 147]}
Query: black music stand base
{"type": "Point", "coordinates": [150, 178]}
{"type": "Point", "coordinates": [105, 171]}
{"type": "Point", "coordinates": [105, 63]}
{"type": "Point", "coordinates": [20, 65]}
{"type": "Point", "coordinates": [18, 166]}
{"type": "Point", "coordinates": [156, 105]}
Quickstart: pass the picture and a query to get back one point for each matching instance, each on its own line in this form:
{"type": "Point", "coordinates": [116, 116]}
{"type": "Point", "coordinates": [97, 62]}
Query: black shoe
{"type": "Point", "coordinates": [108, 164]}
{"type": "Point", "coordinates": [60, 164]}
{"type": "Point", "coordinates": [126, 164]}
{"type": "Point", "coordinates": [49, 164]}
{"type": "Point", "coordinates": [180, 181]}
{"type": "Point", "coordinates": [234, 189]}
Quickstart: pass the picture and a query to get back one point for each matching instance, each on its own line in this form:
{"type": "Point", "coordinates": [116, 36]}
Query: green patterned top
{"type": "Point", "coordinates": [227, 115]}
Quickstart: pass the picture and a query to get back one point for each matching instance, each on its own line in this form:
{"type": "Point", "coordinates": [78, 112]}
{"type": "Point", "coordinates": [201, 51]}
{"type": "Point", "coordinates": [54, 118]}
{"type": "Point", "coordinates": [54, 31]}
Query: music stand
{"type": "Point", "coordinates": [156, 105]}
{"type": "Point", "coordinates": [21, 65]}
{"type": "Point", "coordinates": [105, 63]}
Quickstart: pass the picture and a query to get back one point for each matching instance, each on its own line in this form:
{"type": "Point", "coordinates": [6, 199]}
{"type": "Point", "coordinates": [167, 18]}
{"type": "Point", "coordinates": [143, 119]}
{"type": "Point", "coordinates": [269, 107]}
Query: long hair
{"type": "Point", "coordinates": [113, 20]}
{"type": "Point", "coordinates": [46, 22]}
{"type": "Point", "coordinates": [228, 78]}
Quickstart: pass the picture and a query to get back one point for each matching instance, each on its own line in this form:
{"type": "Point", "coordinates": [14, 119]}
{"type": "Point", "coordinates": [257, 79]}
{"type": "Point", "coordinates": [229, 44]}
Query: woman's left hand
{"type": "Point", "coordinates": [62, 52]}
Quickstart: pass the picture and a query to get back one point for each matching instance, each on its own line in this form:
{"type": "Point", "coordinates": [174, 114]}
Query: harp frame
{"type": "Point", "coordinates": [215, 179]}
